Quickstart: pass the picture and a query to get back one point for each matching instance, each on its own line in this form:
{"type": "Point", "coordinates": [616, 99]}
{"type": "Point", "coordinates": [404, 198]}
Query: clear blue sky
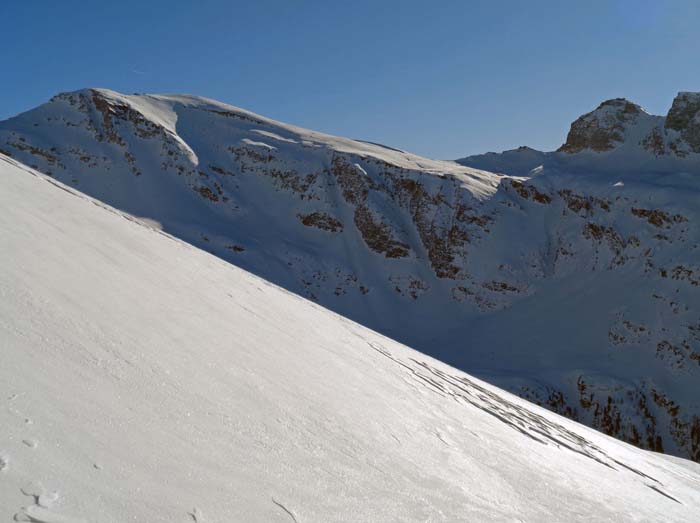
{"type": "Point", "coordinates": [439, 78]}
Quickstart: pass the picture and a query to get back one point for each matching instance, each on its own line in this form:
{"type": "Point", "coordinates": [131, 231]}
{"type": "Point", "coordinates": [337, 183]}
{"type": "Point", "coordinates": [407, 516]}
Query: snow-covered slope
{"type": "Point", "coordinates": [145, 380]}
{"type": "Point", "coordinates": [572, 279]}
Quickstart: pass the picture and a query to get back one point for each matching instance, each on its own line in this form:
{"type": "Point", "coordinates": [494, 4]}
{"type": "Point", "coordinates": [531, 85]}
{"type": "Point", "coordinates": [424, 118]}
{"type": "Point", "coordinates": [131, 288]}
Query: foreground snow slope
{"type": "Point", "coordinates": [145, 380]}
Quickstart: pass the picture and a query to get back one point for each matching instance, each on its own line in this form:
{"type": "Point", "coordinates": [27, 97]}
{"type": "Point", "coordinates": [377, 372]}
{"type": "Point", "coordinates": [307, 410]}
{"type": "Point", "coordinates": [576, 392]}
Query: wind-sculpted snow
{"type": "Point", "coordinates": [159, 383]}
{"type": "Point", "coordinates": [521, 418]}
{"type": "Point", "coordinates": [571, 279]}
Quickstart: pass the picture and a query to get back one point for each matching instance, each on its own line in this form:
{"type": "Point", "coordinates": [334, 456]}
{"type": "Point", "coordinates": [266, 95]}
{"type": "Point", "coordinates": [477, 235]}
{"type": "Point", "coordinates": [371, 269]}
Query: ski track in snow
{"type": "Point", "coordinates": [286, 510]}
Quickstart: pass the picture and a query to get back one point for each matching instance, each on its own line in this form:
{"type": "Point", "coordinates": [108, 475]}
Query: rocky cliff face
{"type": "Point", "coordinates": [604, 128]}
{"type": "Point", "coordinates": [580, 293]}
{"type": "Point", "coordinates": [621, 123]}
{"type": "Point", "coordinates": [684, 119]}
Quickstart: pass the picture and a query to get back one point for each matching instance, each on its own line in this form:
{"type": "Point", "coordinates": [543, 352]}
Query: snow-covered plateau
{"type": "Point", "coordinates": [142, 379]}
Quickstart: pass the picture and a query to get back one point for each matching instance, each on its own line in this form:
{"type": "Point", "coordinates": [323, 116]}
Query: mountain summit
{"type": "Point", "coordinates": [617, 136]}
{"type": "Point", "coordinates": [568, 277]}
{"type": "Point", "coordinates": [604, 128]}
{"type": "Point", "coordinates": [620, 122]}
{"type": "Point", "coordinates": [684, 119]}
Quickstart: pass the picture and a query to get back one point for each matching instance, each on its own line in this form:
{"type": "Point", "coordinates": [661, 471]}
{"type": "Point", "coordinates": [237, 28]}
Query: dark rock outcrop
{"type": "Point", "coordinates": [601, 129]}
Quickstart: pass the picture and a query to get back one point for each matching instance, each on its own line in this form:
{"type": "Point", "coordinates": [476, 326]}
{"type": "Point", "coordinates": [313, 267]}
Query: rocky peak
{"type": "Point", "coordinates": [684, 118]}
{"type": "Point", "coordinates": [619, 122]}
{"type": "Point", "coordinates": [603, 127]}
{"type": "Point", "coordinates": [684, 110]}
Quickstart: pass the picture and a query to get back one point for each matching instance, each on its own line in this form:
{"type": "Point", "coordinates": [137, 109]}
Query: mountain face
{"type": "Point", "coordinates": [191, 390]}
{"type": "Point", "coordinates": [569, 278]}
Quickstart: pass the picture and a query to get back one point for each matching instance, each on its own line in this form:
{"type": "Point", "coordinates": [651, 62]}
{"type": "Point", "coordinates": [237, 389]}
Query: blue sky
{"type": "Point", "coordinates": [443, 79]}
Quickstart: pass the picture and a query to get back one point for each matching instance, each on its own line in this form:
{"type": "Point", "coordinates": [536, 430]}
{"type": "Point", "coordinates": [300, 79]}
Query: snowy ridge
{"type": "Point", "coordinates": [161, 110]}
{"type": "Point", "coordinates": [191, 390]}
{"type": "Point", "coordinates": [570, 280]}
